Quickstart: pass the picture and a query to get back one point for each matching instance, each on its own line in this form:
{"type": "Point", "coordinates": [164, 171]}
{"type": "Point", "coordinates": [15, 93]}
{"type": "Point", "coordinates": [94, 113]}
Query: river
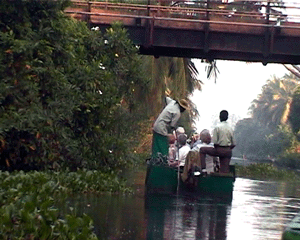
{"type": "Point", "coordinates": [256, 210]}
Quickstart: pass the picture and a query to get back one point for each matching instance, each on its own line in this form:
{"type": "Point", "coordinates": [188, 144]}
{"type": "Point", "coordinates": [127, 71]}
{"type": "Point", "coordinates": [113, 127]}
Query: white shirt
{"type": "Point", "coordinates": [168, 117]}
{"type": "Point", "coordinates": [209, 159]}
{"type": "Point", "coordinates": [183, 152]}
{"type": "Point", "coordinates": [172, 152]}
{"type": "Point", "coordinates": [223, 135]}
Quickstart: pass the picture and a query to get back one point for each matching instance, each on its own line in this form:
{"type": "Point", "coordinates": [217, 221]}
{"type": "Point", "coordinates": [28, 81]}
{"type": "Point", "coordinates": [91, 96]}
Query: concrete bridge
{"type": "Point", "coordinates": [254, 31]}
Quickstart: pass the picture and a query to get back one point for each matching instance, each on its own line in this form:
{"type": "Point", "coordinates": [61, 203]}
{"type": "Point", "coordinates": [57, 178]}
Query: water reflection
{"type": "Point", "coordinates": [115, 216]}
{"type": "Point", "coordinates": [261, 209]}
{"type": "Point", "coordinates": [186, 217]}
{"type": "Point", "coordinates": [256, 210]}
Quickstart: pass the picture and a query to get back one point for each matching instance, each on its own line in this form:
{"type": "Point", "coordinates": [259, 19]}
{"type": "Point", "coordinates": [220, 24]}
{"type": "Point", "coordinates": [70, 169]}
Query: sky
{"type": "Point", "coordinates": [237, 85]}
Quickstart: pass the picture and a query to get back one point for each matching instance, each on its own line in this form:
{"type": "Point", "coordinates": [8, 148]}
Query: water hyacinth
{"type": "Point", "coordinates": [29, 203]}
{"type": "Point", "coordinates": [263, 171]}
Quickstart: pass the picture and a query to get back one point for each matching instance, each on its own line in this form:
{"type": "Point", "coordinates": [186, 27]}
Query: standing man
{"type": "Point", "coordinates": [165, 122]}
{"type": "Point", "coordinates": [223, 141]}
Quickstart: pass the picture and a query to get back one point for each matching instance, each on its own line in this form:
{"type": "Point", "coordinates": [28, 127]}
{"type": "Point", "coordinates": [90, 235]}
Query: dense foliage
{"type": "Point", "coordinates": [67, 94]}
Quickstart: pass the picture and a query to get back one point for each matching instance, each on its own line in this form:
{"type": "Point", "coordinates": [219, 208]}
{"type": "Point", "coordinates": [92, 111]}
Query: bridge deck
{"type": "Point", "coordinates": [207, 30]}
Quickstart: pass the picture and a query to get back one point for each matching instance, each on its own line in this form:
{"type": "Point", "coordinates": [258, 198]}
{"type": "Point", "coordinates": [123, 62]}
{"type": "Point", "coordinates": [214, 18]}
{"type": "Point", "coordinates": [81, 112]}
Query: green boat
{"type": "Point", "coordinates": [292, 230]}
{"type": "Point", "coordinates": [165, 179]}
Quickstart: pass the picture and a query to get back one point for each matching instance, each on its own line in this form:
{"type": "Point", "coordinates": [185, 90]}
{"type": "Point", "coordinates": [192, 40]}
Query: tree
{"type": "Point", "coordinates": [294, 116]}
{"type": "Point", "coordinates": [256, 141]}
{"type": "Point", "coordinates": [62, 88]}
{"type": "Point", "coordinates": [268, 133]}
{"type": "Point", "coordinates": [250, 137]}
{"type": "Point", "coordinates": [272, 106]}
{"type": "Point", "coordinates": [179, 75]}
{"type": "Point", "coordinates": [294, 69]}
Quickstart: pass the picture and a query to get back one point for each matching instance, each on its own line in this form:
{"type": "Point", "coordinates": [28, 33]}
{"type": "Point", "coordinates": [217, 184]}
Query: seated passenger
{"type": "Point", "coordinates": [224, 141]}
{"type": "Point", "coordinates": [195, 140]}
{"type": "Point", "coordinates": [176, 133]}
{"type": "Point", "coordinates": [211, 161]}
{"type": "Point", "coordinates": [180, 130]}
{"type": "Point", "coordinates": [172, 149]}
{"type": "Point", "coordinates": [193, 164]}
{"type": "Point", "coordinates": [182, 152]}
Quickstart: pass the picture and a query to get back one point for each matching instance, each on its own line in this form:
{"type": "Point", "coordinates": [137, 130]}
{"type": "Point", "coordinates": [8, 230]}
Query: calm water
{"type": "Point", "coordinates": [257, 210]}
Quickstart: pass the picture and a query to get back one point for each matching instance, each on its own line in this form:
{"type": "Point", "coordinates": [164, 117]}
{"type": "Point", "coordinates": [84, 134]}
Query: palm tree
{"type": "Point", "coordinates": [272, 106]}
{"type": "Point", "coordinates": [179, 75]}
{"type": "Point", "coordinates": [294, 116]}
{"type": "Point", "coordinates": [294, 69]}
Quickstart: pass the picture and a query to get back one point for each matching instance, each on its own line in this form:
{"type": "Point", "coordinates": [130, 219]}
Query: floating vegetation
{"type": "Point", "coordinates": [266, 171]}
{"type": "Point", "coordinates": [28, 203]}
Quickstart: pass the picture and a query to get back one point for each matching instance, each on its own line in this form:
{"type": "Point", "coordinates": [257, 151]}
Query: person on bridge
{"type": "Point", "coordinates": [223, 141]}
{"type": "Point", "coordinates": [166, 122]}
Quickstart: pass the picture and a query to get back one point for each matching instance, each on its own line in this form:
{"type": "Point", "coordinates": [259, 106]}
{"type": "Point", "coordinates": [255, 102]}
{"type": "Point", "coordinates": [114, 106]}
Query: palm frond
{"type": "Point", "coordinates": [212, 70]}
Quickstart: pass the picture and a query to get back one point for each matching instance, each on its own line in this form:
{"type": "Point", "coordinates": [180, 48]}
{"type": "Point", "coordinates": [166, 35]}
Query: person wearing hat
{"type": "Point", "coordinates": [165, 122]}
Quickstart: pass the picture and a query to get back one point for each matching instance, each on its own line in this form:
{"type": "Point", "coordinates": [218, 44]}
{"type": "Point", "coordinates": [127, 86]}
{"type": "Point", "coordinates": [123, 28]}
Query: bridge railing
{"type": "Point", "coordinates": [187, 13]}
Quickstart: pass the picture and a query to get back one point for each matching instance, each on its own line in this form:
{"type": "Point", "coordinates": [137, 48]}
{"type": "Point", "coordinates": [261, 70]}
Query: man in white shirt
{"type": "Point", "coordinates": [182, 152]}
{"type": "Point", "coordinates": [168, 118]}
{"type": "Point", "coordinates": [223, 141]}
{"type": "Point", "coordinates": [210, 161]}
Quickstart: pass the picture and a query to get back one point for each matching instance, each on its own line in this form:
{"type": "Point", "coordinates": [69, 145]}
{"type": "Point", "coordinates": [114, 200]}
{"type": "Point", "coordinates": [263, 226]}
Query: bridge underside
{"type": "Point", "coordinates": [270, 46]}
{"type": "Point", "coordinates": [199, 33]}
{"type": "Point", "coordinates": [214, 55]}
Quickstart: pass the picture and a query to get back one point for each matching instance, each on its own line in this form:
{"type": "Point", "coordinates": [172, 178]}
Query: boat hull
{"type": "Point", "coordinates": [292, 230]}
{"type": "Point", "coordinates": [165, 179]}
